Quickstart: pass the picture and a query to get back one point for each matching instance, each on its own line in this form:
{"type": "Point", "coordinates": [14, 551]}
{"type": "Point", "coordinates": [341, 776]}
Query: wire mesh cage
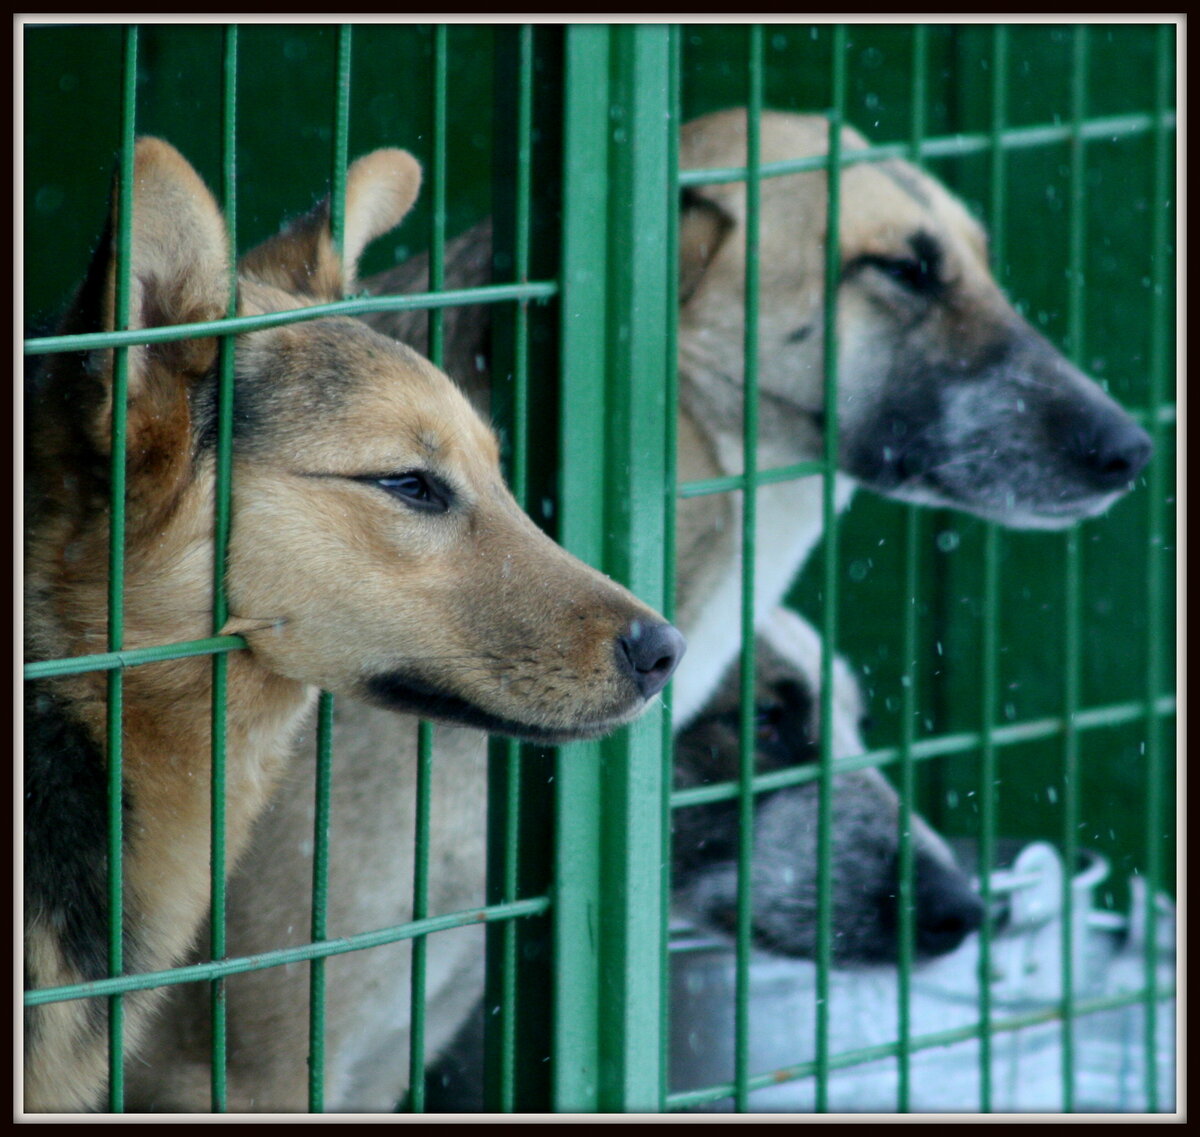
{"type": "Point", "coordinates": [1020, 685]}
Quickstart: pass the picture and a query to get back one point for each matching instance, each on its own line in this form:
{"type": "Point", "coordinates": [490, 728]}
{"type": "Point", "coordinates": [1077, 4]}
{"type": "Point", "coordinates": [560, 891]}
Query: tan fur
{"type": "Point", "coordinates": [333, 580]}
{"type": "Point", "coordinates": [882, 206]}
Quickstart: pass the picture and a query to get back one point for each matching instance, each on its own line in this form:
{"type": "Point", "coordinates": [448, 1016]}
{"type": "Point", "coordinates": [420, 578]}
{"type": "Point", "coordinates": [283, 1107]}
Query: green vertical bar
{"type": "Point", "coordinates": [741, 1068]}
{"type": "Point", "coordinates": [1072, 648]}
{"type": "Point", "coordinates": [906, 893]}
{"type": "Point", "coordinates": [437, 239]}
{"type": "Point", "coordinates": [320, 896]}
{"type": "Point", "coordinates": [316, 1008]}
{"type": "Point", "coordinates": [608, 926]}
{"type": "Point", "coordinates": [519, 797]}
{"type": "Point", "coordinates": [638, 364]}
{"type": "Point", "coordinates": [508, 931]}
{"type": "Point", "coordinates": [905, 868]}
{"type": "Point", "coordinates": [670, 490]}
{"type": "Point", "coordinates": [425, 730]}
{"type": "Point", "coordinates": [576, 1058]}
{"type": "Point", "coordinates": [341, 135]}
{"type": "Point", "coordinates": [420, 909]}
{"type": "Point", "coordinates": [518, 477]}
{"type": "Point", "coordinates": [116, 577]}
{"type": "Point", "coordinates": [220, 663]}
{"type": "Point", "coordinates": [991, 610]}
{"type": "Point", "coordinates": [829, 565]}
{"type": "Point", "coordinates": [1155, 542]}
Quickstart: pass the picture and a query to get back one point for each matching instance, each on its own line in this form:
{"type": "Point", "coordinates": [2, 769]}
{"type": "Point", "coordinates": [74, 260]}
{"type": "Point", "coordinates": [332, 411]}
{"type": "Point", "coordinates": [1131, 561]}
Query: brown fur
{"type": "Point", "coordinates": [465, 611]}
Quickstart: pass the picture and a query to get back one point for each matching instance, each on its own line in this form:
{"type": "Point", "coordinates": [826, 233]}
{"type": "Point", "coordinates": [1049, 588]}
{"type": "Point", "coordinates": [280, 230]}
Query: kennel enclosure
{"type": "Point", "coordinates": [1021, 684]}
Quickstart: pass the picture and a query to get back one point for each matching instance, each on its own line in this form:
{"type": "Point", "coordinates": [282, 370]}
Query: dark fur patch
{"type": "Point", "coordinates": [66, 809]}
{"type": "Point", "coordinates": [920, 273]}
{"type": "Point", "coordinates": [704, 835]}
{"type": "Point", "coordinates": [407, 694]}
{"type": "Point", "coordinates": [316, 384]}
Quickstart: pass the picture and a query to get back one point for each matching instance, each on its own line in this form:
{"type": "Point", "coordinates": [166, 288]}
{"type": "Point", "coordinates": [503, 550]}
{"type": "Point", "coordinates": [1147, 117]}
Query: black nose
{"type": "Point", "coordinates": [649, 653]}
{"type": "Point", "coordinates": [947, 909]}
{"type": "Point", "coordinates": [1111, 451]}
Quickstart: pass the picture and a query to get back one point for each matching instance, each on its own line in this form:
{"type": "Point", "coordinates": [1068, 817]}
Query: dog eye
{"type": "Point", "coordinates": [918, 276]}
{"type": "Point", "coordinates": [421, 491]}
{"type": "Point", "coordinates": [767, 719]}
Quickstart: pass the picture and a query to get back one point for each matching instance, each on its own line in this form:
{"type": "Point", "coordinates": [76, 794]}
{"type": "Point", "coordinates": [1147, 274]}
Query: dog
{"type": "Point", "coordinates": [946, 397]}
{"type": "Point", "coordinates": [374, 551]}
{"type": "Point", "coordinates": [866, 814]}
{"type": "Point", "coordinates": [865, 821]}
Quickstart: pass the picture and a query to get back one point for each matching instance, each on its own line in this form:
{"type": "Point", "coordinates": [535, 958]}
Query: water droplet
{"type": "Point", "coordinates": [948, 540]}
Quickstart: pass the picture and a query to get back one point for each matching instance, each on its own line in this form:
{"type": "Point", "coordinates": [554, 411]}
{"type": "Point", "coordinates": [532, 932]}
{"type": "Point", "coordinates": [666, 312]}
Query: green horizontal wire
{"type": "Point", "coordinates": [356, 306]}
{"type": "Point", "coordinates": [851, 1058]}
{"type": "Point", "coordinates": [955, 146]}
{"type": "Point", "coordinates": [772, 476]}
{"type": "Point", "coordinates": [534, 906]}
{"type": "Point", "coordinates": [546, 290]}
{"type": "Point", "coordinates": [131, 657]}
{"type": "Point", "coordinates": [1035, 730]}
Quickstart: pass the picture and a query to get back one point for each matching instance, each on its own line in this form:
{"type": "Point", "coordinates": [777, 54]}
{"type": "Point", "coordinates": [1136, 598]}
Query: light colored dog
{"type": "Point", "coordinates": [946, 397]}
{"type": "Point", "coordinates": [374, 551]}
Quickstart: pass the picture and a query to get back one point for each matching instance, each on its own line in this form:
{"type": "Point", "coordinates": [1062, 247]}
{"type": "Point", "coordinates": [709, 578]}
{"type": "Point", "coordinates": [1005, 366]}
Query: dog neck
{"type": "Point", "coordinates": [790, 520]}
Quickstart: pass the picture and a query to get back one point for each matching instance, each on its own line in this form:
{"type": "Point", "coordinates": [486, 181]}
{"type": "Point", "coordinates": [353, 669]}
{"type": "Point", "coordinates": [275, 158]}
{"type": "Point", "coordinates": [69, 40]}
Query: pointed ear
{"type": "Point", "coordinates": [178, 274]}
{"type": "Point", "coordinates": [703, 229]}
{"type": "Point", "coordinates": [381, 188]}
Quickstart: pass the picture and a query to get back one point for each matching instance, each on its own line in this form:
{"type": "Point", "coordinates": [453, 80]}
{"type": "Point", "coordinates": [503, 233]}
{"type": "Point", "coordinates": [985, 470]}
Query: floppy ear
{"type": "Point", "coordinates": [381, 188]}
{"type": "Point", "coordinates": [703, 229]}
{"type": "Point", "coordinates": [178, 274]}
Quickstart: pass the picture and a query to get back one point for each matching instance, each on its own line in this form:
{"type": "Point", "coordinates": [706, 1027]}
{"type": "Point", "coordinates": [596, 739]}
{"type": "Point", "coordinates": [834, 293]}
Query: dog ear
{"type": "Point", "coordinates": [178, 274]}
{"type": "Point", "coordinates": [703, 229]}
{"type": "Point", "coordinates": [381, 188]}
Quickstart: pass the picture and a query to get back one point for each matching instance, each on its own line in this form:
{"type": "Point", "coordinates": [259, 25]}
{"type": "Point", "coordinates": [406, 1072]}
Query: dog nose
{"type": "Point", "coordinates": [947, 909]}
{"type": "Point", "coordinates": [649, 653]}
{"type": "Point", "coordinates": [1112, 451]}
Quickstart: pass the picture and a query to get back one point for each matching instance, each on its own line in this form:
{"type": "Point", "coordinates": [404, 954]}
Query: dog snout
{"type": "Point", "coordinates": [649, 654]}
{"type": "Point", "coordinates": [948, 910]}
{"type": "Point", "coordinates": [1110, 450]}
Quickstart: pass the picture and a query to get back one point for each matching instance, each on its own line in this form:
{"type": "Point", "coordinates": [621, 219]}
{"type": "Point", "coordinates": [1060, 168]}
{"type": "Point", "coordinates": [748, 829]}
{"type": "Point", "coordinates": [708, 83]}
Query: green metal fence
{"type": "Point", "coordinates": [1007, 662]}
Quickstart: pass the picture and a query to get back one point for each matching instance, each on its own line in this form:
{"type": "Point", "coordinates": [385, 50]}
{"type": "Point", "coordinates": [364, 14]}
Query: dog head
{"type": "Point", "coordinates": [374, 549]}
{"type": "Point", "coordinates": [865, 821]}
{"type": "Point", "coordinates": [946, 395]}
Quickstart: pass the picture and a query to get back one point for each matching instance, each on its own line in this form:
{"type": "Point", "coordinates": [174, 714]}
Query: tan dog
{"type": "Point", "coordinates": [375, 551]}
{"type": "Point", "coordinates": [946, 396]}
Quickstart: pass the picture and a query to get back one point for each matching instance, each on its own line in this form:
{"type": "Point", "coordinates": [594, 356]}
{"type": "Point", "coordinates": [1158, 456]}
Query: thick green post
{"type": "Point", "coordinates": [616, 360]}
